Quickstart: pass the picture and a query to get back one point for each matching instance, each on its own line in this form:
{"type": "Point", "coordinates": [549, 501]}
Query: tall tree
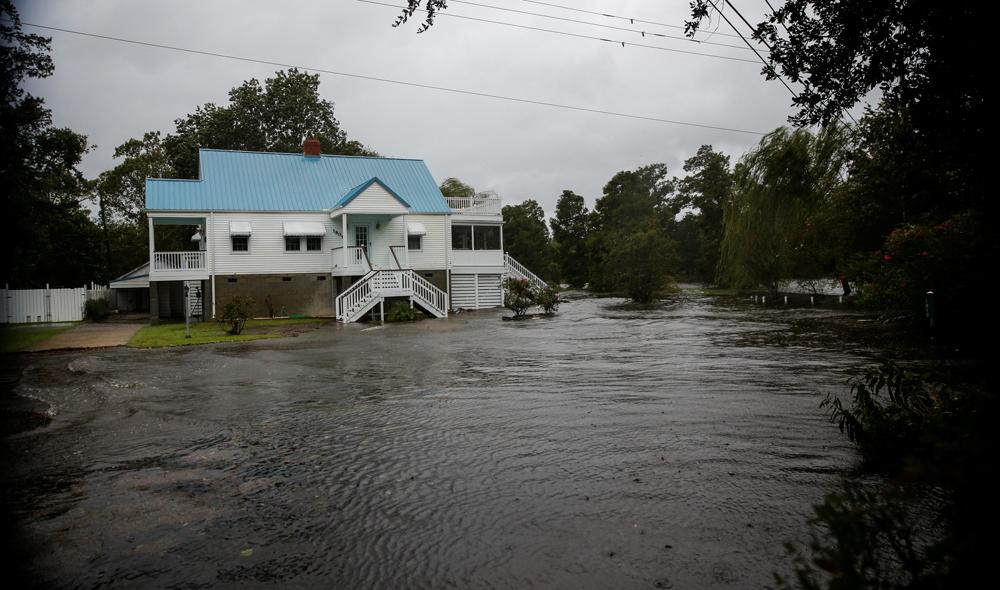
{"type": "Point", "coordinates": [629, 246]}
{"type": "Point", "coordinates": [924, 151]}
{"type": "Point", "coordinates": [526, 237]}
{"type": "Point", "coordinates": [273, 117]}
{"type": "Point", "coordinates": [569, 235]}
{"type": "Point", "coordinates": [51, 238]}
{"type": "Point", "coordinates": [119, 195]}
{"type": "Point", "coordinates": [706, 188]}
{"type": "Point", "coordinates": [782, 187]}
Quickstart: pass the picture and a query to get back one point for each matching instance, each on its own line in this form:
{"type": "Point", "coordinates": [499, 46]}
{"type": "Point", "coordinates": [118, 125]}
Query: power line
{"type": "Point", "coordinates": [762, 60]}
{"type": "Point", "coordinates": [628, 18]}
{"type": "Point", "coordinates": [567, 34]}
{"type": "Point", "coordinates": [593, 24]}
{"type": "Point", "coordinates": [751, 27]}
{"type": "Point", "coordinates": [391, 81]}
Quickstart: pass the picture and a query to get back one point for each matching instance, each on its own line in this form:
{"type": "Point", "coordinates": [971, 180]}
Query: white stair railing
{"type": "Point", "coordinates": [349, 303]}
{"type": "Point", "coordinates": [519, 271]}
{"type": "Point", "coordinates": [432, 298]}
{"type": "Point", "coordinates": [375, 286]}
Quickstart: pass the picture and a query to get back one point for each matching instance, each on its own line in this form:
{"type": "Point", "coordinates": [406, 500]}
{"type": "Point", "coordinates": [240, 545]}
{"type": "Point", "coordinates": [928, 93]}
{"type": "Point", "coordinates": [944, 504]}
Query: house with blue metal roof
{"type": "Point", "coordinates": [321, 235]}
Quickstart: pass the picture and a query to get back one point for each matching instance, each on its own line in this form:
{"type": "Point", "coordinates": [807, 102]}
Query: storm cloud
{"type": "Point", "coordinates": [111, 91]}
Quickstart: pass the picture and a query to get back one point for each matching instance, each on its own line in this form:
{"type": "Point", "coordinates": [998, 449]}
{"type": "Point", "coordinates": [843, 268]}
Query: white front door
{"type": "Point", "coordinates": [362, 239]}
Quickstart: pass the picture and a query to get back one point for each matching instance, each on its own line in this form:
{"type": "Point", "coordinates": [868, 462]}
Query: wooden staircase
{"type": "Point", "coordinates": [373, 289]}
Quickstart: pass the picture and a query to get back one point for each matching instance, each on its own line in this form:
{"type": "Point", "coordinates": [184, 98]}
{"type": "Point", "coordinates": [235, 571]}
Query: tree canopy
{"type": "Point", "coordinates": [629, 247]}
{"type": "Point", "coordinates": [921, 58]}
{"type": "Point", "coordinates": [273, 117]}
{"type": "Point", "coordinates": [781, 189]}
{"type": "Point", "coordinates": [453, 187]}
{"type": "Point", "coordinates": [50, 236]}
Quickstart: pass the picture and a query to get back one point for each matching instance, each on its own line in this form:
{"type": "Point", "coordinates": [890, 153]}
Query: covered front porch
{"type": "Point", "coordinates": [372, 241]}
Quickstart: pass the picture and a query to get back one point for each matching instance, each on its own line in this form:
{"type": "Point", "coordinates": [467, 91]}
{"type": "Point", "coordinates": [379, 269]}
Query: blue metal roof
{"type": "Point", "coordinates": [267, 181]}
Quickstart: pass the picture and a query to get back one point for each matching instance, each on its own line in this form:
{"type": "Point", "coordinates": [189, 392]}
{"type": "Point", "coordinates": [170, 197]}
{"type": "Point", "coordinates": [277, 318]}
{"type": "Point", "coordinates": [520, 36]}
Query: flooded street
{"type": "Point", "coordinates": [604, 448]}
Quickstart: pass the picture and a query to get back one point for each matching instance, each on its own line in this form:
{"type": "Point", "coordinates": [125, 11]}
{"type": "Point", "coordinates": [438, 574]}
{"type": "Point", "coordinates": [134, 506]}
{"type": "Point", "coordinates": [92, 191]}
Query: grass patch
{"type": "Point", "coordinates": [17, 337]}
{"type": "Point", "coordinates": [172, 334]}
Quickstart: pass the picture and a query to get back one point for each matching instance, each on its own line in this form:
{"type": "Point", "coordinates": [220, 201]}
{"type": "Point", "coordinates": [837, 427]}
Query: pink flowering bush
{"type": "Point", "coordinates": [919, 258]}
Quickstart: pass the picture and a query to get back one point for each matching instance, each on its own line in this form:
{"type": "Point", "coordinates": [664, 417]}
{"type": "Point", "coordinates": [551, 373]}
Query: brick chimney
{"type": "Point", "coordinates": [310, 147]}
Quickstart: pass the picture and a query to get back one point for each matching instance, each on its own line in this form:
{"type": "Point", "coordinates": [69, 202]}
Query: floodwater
{"type": "Point", "coordinates": [607, 447]}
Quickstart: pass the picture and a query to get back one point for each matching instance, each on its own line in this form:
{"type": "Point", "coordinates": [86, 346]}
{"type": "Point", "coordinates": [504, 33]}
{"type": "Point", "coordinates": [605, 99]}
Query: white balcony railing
{"type": "Point", "coordinates": [485, 203]}
{"type": "Point", "coordinates": [179, 261]}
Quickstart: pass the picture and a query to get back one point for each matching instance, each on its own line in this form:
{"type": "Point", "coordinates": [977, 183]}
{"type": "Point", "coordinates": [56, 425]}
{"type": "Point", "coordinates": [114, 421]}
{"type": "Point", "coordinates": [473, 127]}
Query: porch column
{"type": "Point", "coordinates": [208, 237]}
{"type": "Point", "coordinates": [152, 246]}
{"type": "Point", "coordinates": [343, 223]}
{"type": "Point", "coordinates": [406, 242]}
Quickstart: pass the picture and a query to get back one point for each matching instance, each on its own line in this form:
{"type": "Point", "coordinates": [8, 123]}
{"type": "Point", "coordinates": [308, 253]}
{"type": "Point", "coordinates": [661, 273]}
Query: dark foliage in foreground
{"type": "Point", "coordinates": [927, 520]}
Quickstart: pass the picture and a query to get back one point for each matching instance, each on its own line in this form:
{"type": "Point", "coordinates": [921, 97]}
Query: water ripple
{"type": "Point", "coordinates": [606, 447]}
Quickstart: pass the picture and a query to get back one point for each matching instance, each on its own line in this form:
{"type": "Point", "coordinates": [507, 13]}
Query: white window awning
{"type": "Point", "coordinates": [416, 229]}
{"type": "Point", "coordinates": [239, 228]}
{"type": "Point", "coordinates": [304, 228]}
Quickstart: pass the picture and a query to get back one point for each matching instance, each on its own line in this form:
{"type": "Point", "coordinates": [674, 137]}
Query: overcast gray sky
{"type": "Point", "coordinates": [112, 91]}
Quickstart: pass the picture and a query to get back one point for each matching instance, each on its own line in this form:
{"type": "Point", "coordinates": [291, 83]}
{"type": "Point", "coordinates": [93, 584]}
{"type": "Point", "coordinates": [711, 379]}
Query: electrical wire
{"type": "Point", "coordinates": [593, 24]}
{"type": "Point", "coordinates": [565, 33]}
{"type": "Point", "coordinates": [391, 81]}
{"type": "Point", "coordinates": [751, 27]}
{"type": "Point", "coordinates": [628, 18]}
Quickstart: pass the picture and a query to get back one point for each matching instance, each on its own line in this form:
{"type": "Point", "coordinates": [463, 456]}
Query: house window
{"type": "Point", "coordinates": [292, 244]}
{"type": "Point", "coordinates": [414, 242]}
{"type": "Point", "coordinates": [314, 243]}
{"type": "Point", "coordinates": [241, 243]}
{"type": "Point", "coordinates": [461, 237]}
{"type": "Point", "coordinates": [487, 237]}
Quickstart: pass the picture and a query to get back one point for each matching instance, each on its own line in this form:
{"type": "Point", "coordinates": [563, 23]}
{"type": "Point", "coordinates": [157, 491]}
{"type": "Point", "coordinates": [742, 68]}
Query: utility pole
{"type": "Point", "coordinates": [187, 311]}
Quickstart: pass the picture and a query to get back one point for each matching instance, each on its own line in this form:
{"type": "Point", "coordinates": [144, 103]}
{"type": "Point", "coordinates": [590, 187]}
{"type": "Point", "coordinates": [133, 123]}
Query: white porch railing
{"type": "Point", "coordinates": [357, 256]}
{"type": "Point", "coordinates": [519, 271]}
{"type": "Point", "coordinates": [485, 203]}
{"type": "Point", "coordinates": [178, 261]}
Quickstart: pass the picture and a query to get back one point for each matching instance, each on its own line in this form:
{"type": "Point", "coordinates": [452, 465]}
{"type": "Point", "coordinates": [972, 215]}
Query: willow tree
{"type": "Point", "coordinates": [774, 227]}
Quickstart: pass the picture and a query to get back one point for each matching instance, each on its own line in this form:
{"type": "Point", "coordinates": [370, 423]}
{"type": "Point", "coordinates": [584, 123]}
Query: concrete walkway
{"type": "Point", "coordinates": [90, 335]}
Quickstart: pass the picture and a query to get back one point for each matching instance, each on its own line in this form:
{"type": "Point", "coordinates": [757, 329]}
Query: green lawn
{"type": "Point", "coordinates": [172, 334]}
{"type": "Point", "coordinates": [17, 337]}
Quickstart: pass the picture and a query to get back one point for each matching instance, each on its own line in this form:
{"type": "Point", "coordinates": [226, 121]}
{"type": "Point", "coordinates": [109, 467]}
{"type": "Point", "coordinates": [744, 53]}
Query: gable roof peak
{"type": "Point", "coordinates": [354, 192]}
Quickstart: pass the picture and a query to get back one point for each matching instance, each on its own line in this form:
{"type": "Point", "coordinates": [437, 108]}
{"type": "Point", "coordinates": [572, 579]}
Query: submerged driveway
{"type": "Point", "coordinates": [90, 335]}
{"type": "Point", "coordinates": [605, 447]}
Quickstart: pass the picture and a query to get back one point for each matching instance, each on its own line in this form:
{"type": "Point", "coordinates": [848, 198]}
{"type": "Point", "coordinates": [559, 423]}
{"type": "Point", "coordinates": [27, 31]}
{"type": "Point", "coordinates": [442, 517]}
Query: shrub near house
{"type": "Point", "coordinates": [519, 295]}
{"type": "Point", "coordinates": [235, 313]}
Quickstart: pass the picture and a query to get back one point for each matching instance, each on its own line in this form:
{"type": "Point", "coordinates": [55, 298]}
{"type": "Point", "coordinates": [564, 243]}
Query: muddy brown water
{"type": "Point", "coordinates": [607, 447]}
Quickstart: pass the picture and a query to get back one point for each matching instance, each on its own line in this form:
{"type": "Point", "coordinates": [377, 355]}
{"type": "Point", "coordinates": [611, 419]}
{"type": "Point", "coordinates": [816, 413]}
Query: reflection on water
{"type": "Point", "coordinates": [605, 447]}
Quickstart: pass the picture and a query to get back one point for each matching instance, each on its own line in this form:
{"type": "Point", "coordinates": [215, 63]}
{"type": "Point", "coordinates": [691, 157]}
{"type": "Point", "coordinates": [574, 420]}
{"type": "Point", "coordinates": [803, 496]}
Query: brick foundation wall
{"type": "Point", "coordinates": [304, 293]}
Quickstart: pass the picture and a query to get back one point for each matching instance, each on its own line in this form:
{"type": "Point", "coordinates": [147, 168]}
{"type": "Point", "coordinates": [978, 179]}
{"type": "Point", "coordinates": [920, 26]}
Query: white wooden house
{"type": "Point", "coordinates": [321, 235]}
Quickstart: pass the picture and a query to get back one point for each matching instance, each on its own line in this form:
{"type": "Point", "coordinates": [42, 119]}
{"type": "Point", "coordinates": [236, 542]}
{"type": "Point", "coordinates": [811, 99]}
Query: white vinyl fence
{"type": "Point", "coordinates": [25, 306]}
